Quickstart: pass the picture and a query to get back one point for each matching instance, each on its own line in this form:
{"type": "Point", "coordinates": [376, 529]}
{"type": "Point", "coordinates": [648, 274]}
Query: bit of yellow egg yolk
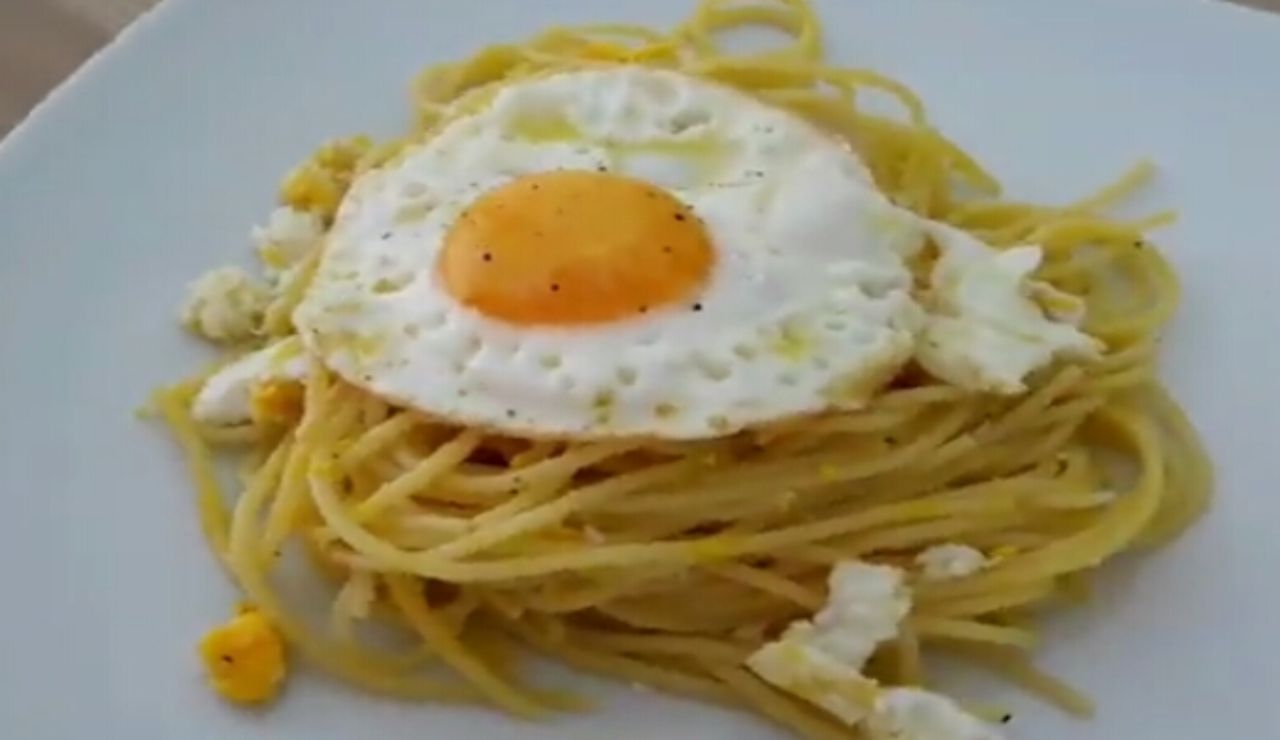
{"type": "Point", "coordinates": [276, 402]}
{"type": "Point", "coordinates": [575, 247]}
{"type": "Point", "coordinates": [244, 658]}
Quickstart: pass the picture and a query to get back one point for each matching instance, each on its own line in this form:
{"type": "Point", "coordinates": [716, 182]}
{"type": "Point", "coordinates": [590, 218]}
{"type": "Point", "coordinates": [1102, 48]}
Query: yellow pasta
{"type": "Point", "coordinates": [665, 563]}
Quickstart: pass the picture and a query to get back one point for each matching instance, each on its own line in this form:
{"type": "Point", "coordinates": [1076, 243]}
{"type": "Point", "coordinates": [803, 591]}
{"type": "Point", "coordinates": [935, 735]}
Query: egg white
{"type": "Point", "coordinates": [809, 303]}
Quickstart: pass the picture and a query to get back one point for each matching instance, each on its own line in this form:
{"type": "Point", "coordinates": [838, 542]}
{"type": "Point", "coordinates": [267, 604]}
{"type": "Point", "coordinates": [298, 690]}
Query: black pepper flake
{"type": "Point", "coordinates": [680, 216]}
{"type": "Point", "coordinates": [644, 309]}
{"type": "Point", "coordinates": [511, 413]}
{"type": "Point", "coordinates": [891, 440]}
{"type": "Point", "coordinates": [697, 307]}
{"type": "Point", "coordinates": [226, 659]}
{"type": "Point", "coordinates": [367, 378]}
{"type": "Point", "coordinates": [487, 256]}
{"type": "Point", "coordinates": [555, 287]}
{"type": "Point", "coordinates": [535, 186]}
{"type": "Point", "coordinates": [1006, 718]}
{"type": "Point", "coordinates": [386, 235]}
{"type": "Point", "coordinates": [1138, 244]}
{"type": "Point", "coordinates": [667, 249]}
{"type": "Point", "coordinates": [601, 168]}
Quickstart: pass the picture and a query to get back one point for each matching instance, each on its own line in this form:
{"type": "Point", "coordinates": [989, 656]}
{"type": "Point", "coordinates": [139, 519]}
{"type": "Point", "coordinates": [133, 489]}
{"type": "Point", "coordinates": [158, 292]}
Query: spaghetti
{"type": "Point", "coordinates": [667, 563]}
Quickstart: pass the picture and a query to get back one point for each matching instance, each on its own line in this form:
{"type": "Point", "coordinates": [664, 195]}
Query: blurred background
{"type": "Point", "coordinates": [43, 41]}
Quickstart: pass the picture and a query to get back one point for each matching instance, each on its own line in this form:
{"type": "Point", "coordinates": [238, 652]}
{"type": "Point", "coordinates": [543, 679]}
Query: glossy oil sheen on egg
{"type": "Point", "coordinates": [798, 298]}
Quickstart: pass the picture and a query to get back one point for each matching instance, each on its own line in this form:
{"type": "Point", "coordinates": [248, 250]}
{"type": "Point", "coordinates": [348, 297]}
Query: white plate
{"type": "Point", "coordinates": [150, 166]}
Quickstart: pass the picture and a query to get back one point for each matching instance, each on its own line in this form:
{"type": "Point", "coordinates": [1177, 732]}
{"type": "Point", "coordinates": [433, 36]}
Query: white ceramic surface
{"type": "Point", "coordinates": [153, 162]}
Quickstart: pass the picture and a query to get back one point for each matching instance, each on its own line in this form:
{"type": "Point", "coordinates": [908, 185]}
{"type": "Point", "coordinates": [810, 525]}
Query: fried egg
{"type": "Point", "coordinates": [618, 251]}
{"type": "Point", "coordinates": [634, 252]}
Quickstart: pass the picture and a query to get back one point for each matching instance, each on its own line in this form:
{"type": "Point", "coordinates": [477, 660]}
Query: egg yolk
{"type": "Point", "coordinates": [276, 402]}
{"type": "Point", "coordinates": [244, 658]}
{"type": "Point", "coordinates": [575, 247]}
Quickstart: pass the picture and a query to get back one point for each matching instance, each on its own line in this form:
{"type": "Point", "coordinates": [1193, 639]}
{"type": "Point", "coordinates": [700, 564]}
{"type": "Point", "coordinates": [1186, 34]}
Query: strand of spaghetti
{"type": "Point", "coordinates": [627, 669]}
{"type": "Point", "coordinates": [1066, 233]}
{"type": "Point", "coordinates": [697, 648]}
{"type": "Point", "coordinates": [431, 469]}
{"type": "Point", "coordinates": [792, 17]}
{"type": "Point", "coordinates": [824, 468]}
{"type": "Point", "coordinates": [413, 520]}
{"type": "Point", "coordinates": [1109, 195]}
{"type": "Point", "coordinates": [964, 630]}
{"type": "Point", "coordinates": [376, 438]}
{"type": "Point", "coordinates": [1141, 353]}
{"type": "Point", "coordinates": [665, 615]}
{"type": "Point", "coordinates": [533, 494]}
{"type": "Point", "coordinates": [767, 581]}
{"type": "Point", "coordinates": [1030, 406]}
{"type": "Point", "coordinates": [1157, 220]}
{"type": "Point", "coordinates": [1192, 450]}
{"type": "Point", "coordinates": [264, 482]}
{"type": "Point", "coordinates": [442, 642]}
{"type": "Point", "coordinates": [537, 452]}
{"type": "Point", "coordinates": [1115, 528]}
{"type": "Point", "coordinates": [978, 215]}
{"type": "Point", "coordinates": [593, 595]}
{"type": "Point", "coordinates": [788, 74]}
{"type": "Point", "coordinates": [673, 522]}
{"type": "Point", "coordinates": [254, 459]}
{"type": "Point", "coordinates": [923, 533]}
{"type": "Point", "coordinates": [393, 559]}
{"type": "Point", "coordinates": [352, 603]}
{"type": "Point", "coordinates": [622, 30]}
{"type": "Point", "coordinates": [209, 496]}
{"type": "Point", "coordinates": [929, 394]}
{"type": "Point", "coordinates": [988, 602]}
{"type": "Point", "coordinates": [357, 665]}
{"type": "Point", "coordinates": [1064, 422]}
{"type": "Point", "coordinates": [856, 423]}
{"type": "Point", "coordinates": [1140, 324]}
{"type": "Point", "coordinates": [555, 511]}
{"type": "Point", "coordinates": [561, 466]}
{"type": "Point", "coordinates": [778, 707]}
{"type": "Point", "coordinates": [906, 649]}
{"type": "Point", "coordinates": [373, 410]}
{"type": "Point", "coordinates": [1009, 490]}
{"type": "Point", "coordinates": [1015, 665]}
{"type": "Point", "coordinates": [332, 412]}
{"type": "Point", "coordinates": [1139, 375]}
{"type": "Point", "coordinates": [707, 549]}
{"type": "Point", "coordinates": [455, 614]}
